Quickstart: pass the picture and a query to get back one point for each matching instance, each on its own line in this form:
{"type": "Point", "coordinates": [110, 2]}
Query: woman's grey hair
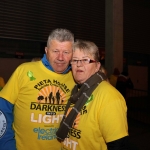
{"type": "Point", "coordinates": [87, 47]}
{"type": "Point", "coordinates": [60, 35]}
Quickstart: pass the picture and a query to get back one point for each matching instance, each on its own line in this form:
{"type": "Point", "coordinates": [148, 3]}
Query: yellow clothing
{"type": "Point", "coordinates": [39, 97]}
{"type": "Point", "coordinates": [113, 80]}
{"type": "Point", "coordinates": [103, 119]}
{"type": "Point", "coordinates": [2, 83]}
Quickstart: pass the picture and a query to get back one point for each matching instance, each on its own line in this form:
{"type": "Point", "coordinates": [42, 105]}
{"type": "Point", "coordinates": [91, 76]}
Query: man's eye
{"type": "Point", "coordinates": [55, 51]}
{"type": "Point", "coordinates": [66, 52]}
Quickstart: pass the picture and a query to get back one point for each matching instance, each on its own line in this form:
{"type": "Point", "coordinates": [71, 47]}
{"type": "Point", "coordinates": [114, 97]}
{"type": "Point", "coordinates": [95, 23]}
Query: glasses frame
{"type": "Point", "coordinates": [82, 61]}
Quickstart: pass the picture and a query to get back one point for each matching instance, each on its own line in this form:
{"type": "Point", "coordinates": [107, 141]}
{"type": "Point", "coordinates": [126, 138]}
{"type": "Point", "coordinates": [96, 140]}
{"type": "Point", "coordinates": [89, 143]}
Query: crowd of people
{"type": "Point", "coordinates": [63, 101]}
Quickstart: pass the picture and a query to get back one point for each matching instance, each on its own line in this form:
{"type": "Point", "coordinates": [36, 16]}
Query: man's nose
{"type": "Point", "coordinates": [60, 56]}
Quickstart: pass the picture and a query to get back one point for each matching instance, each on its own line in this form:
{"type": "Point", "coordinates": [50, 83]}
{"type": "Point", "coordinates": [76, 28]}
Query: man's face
{"type": "Point", "coordinates": [59, 55]}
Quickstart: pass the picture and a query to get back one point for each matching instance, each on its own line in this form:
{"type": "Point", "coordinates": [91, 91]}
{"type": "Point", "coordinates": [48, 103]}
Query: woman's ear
{"type": "Point", "coordinates": [98, 65]}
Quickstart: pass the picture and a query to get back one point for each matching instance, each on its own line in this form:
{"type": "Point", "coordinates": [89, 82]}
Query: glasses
{"type": "Point", "coordinates": [83, 61]}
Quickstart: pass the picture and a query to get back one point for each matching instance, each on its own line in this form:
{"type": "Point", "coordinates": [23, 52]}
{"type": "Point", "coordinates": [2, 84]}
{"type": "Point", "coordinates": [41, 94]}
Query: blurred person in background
{"type": "Point", "coordinates": [114, 76]}
{"type": "Point", "coordinates": [2, 83]}
{"type": "Point", "coordinates": [123, 83]}
{"type": "Point", "coordinates": [36, 59]}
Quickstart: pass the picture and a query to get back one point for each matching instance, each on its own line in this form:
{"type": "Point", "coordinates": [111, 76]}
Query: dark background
{"type": "Point", "coordinates": [25, 26]}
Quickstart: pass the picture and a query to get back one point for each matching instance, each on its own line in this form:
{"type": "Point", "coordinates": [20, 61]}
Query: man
{"type": "Point", "coordinates": [29, 117]}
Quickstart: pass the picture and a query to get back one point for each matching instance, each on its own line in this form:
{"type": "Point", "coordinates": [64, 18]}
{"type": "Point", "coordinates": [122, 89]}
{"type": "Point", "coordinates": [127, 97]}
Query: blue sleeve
{"type": "Point", "coordinates": [7, 140]}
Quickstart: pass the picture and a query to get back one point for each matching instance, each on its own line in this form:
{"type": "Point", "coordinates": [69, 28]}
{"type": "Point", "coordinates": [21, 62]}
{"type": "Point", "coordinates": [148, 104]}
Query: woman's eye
{"type": "Point", "coordinates": [85, 60]}
{"type": "Point", "coordinates": [74, 60]}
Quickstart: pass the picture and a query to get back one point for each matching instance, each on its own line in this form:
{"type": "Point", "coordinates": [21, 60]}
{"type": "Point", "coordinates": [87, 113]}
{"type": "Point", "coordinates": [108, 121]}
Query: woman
{"type": "Point", "coordinates": [95, 117]}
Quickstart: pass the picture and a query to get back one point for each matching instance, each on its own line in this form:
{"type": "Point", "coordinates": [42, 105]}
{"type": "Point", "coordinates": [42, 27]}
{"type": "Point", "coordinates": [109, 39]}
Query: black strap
{"type": "Point", "coordinates": [79, 98]}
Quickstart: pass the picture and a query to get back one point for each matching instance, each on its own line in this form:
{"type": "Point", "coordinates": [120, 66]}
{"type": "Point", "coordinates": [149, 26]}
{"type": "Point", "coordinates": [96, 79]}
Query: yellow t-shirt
{"type": "Point", "coordinates": [113, 80]}
{"type": "Point", "coordinates": [102, 119]}
{"type": "Point", "coordinates": [2, 83]}
{"type": "Point", "coordinates": [39, 97]}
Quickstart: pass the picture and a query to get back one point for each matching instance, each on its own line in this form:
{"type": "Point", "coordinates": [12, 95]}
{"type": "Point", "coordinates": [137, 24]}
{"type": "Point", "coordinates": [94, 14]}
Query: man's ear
{"type": "Point", "coordinates": [46, 49]}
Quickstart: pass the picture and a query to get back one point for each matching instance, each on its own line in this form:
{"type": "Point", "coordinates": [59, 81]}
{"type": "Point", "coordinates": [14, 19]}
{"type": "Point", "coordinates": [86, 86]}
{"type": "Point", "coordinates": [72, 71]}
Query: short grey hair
{"type": "Point", "coordinates": [60, 35]}
{"type": "Point", "coordinates": [87, 47]}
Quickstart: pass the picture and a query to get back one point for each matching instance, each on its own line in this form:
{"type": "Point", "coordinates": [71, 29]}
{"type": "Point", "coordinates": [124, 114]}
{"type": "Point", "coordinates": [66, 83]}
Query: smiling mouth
{"type": "Point", "coordinates": [60, 63]}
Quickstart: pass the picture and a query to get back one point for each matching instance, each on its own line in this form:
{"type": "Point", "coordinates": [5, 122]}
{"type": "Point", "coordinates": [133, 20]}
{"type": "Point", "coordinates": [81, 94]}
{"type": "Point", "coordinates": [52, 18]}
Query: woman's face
{"type": "Point", "coordinates": [82, 70]}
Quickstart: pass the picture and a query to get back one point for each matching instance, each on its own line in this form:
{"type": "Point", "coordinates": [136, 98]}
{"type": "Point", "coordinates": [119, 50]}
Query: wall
{"type": "Point", "coordinates": [8, 65]}
{"type": "Point", "coordinates": [139, 76]}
